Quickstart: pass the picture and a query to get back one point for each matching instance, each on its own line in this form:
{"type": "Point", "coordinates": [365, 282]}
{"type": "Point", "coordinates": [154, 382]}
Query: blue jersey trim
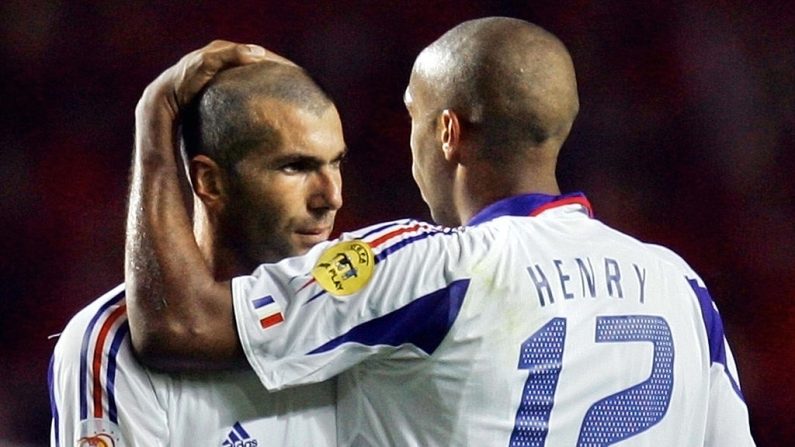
{"type": "Point", "coordinates": [317, 295]}
{"type": "Point", "coordinates": [423, 322]}
{"type": "Point", "coordinates": [715, 334]}
{"type": "Point", "coordinates": [522, 205]}
{"type": "Point", "coordinates": [53, 405]}
{"type": "Point", "coordinates": [124, 329]}
{"type": "Point", "coordinates": [84, 353]}
{"type": "Point", "coordinates": [380, 228]}
{"type": "Point", "coordinates": [398, 245]}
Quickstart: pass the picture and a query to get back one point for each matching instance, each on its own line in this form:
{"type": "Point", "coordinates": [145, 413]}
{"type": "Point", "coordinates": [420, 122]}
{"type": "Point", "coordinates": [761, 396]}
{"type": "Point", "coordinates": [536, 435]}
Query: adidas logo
{"type": "Point", "coordinates": [239, 437]}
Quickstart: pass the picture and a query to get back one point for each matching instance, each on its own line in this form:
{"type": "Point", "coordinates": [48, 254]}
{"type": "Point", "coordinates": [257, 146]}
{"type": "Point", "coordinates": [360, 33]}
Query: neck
{"type": "Point", "coordinates": [482, 184]}
{"type": "Point", "coordinates": [223, 262]}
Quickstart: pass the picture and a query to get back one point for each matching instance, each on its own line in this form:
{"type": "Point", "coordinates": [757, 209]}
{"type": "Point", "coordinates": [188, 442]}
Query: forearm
{"type": "Point", "coordinates": [180, 317]}
{"type": "Point", "coordinates": [173, 300]}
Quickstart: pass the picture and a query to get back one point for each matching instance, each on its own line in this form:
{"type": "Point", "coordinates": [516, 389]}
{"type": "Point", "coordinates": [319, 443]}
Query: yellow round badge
{"type": "Point", "coordinates": [344, 268]}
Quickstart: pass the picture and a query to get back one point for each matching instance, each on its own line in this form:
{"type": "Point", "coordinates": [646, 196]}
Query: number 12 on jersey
{"type": "Point", "coordinates": [613, 418]}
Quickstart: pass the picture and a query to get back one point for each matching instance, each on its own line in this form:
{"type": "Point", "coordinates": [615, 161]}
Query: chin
{"type": "Point", "coordinates": [295, 248]}
{"type": "Point", "coordinates": [303, 242]}
{"type": "Point", "coordinates": [300, 251]}
{"type": "Point", "coordinates": [271, 254]}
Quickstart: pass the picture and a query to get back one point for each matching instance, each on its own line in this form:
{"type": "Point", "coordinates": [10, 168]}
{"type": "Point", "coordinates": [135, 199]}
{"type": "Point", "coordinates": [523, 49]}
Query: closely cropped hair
{"type": "Point", "coordinates": [510, 81]}
{"type": "Point", "coordinates": [218, 122]}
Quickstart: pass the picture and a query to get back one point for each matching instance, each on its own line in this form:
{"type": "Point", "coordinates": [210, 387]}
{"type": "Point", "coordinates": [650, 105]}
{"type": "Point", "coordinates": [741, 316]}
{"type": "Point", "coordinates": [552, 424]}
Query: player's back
{"type": "Point", "coordinates": [563, 332]}
{"type": "Point", "coordinates": [534, 325]}
{"type": "Point", "coordinates": [586, 330]}
{"type": "Point", "coordinates": [100, 392]}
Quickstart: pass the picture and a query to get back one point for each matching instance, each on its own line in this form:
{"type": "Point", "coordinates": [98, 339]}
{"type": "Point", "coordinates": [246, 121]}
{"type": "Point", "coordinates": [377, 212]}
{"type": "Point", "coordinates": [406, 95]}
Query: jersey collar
{"type": "Point", "coordinates": [529, 205]}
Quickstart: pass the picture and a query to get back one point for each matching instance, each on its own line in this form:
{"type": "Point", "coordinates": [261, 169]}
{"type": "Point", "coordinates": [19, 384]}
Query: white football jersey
{"type": "Point", "coordinates": [102, 396]}
{"type": "Point", "coordinates": [534, 325]}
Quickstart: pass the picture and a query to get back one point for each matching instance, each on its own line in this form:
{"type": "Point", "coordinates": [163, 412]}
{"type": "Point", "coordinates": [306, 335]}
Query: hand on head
{"type": "Point", "coordinates": [177, 86]}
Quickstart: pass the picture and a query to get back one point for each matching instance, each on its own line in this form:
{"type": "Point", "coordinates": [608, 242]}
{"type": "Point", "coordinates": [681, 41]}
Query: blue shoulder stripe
{"type": "Point", "coordinates": [423, 322]}
{"type": "Point", "coordinates": [402, 243]}
{"type": "Point", "coordinates": [84, 353]}
{"type": "Point", "coordinates": [124, 329]}
{"type": "Point", "coordinates": [715, 334]}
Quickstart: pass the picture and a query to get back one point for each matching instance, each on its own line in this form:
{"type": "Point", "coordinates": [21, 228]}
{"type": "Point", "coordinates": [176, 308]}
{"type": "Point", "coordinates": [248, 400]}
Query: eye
{"type": "Point", "coordinates": [295, 167]}
{"type": "Point", "coordinates": [339, 162]}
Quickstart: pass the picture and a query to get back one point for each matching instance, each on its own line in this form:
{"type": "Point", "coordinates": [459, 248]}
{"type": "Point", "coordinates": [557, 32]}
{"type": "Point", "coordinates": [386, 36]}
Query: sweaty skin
{"type": "Point", "coordinates": [491, 103]}
{"type": "Point", "coordinates": [471, 146]}
{"type": "Point", "coordinates": [174, 303]}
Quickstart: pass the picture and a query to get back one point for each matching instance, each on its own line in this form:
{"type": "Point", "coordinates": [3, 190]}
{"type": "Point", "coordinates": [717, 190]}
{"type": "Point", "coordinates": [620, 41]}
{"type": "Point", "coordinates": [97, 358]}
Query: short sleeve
{"type": "Point", "coordinates": [727, 413]}
{"type": "Point", "coordinates": [309, 318]}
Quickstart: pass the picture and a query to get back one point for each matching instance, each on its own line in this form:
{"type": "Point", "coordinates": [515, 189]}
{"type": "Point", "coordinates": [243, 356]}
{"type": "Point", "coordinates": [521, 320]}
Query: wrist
{"type": "Point", "coordinates": [155, 127]}
{"type": "Point", "coordinates": [155, 104]}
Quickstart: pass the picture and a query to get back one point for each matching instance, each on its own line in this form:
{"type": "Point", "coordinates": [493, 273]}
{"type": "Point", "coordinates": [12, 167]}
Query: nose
{"type": "Point", "coordinates": [327, 190]}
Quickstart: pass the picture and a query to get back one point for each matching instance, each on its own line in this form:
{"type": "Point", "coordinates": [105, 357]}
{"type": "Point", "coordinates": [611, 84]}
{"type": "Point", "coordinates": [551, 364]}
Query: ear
{"type": "Point", "coordinates": [450, 136]}
{"type": "Point", "coordinates": [207, 180]}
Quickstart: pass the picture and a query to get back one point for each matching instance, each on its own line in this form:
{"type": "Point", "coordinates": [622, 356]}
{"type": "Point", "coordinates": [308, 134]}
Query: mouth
{"type": "Point", "coordinates": [312, 236]}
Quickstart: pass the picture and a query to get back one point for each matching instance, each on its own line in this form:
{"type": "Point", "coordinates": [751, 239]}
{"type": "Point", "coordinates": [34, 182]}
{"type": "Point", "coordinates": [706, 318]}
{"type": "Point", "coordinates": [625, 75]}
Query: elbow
{"type": "Point", "coordinates": [181, 338]}
{"type": "Point", "coordinates": [161, 349]}
{"type": "Point", "coordinates": [180, 348]}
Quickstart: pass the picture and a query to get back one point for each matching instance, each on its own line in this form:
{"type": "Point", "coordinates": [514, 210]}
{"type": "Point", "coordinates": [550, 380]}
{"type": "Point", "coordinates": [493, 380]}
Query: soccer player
{"type": "Point", "coordinates": [523, 321]}
{"type": "Point", "coordinates": [264, 144]}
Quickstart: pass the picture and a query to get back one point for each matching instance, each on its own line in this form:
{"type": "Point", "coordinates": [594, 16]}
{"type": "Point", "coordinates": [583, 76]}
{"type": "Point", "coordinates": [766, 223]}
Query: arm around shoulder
{"type": "Point", "coordinates": [181, 318]}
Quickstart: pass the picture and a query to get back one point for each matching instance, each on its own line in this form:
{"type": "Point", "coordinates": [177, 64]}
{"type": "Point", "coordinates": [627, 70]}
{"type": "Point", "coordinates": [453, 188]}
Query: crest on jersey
{"type": "Point", "coordinates": [345, 267]}
{"type": "Point", "coordinates": [99, 433]}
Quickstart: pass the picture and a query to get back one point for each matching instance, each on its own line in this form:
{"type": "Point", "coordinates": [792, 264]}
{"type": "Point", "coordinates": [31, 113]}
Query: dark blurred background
{"type": "Point", "coordinates": [684, 139]}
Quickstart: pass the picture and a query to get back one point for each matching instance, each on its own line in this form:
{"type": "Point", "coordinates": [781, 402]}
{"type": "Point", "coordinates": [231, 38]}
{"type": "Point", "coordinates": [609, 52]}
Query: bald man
{"type": "Point", "coordinates": [253, 204]}
{"type": "Point", "coordinates": [521, 321]}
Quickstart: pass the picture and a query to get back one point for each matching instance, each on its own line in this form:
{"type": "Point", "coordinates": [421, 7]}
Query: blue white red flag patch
{"type": "Point", "coordinates": [268, 311]}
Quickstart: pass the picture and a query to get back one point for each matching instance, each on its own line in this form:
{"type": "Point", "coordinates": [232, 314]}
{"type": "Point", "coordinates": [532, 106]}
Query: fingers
{"type": "Point", "coordinates": [271, 56]}
{"type": "Point", "coordinates": [180, 83]}
{"type": "Point", "coordinates": [159, 107]}
{"type": "Point", "coordinates": [197, 68]}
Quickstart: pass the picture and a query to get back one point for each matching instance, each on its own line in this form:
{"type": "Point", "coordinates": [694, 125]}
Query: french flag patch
{"type": "Point", "coordinates": [268, 311]}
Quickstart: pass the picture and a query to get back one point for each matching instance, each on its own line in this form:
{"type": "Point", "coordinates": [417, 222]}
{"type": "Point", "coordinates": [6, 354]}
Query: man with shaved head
{"type": "Point", "coordinates": [263, 145]}
{"type": "Point", "coordinates": [502, 96]}
{"type": "Point", "coordinates": [519, 321]}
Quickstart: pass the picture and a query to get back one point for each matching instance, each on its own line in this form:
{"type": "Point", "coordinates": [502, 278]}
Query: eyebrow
{"type": "Point", "coordinates": [296, 157]}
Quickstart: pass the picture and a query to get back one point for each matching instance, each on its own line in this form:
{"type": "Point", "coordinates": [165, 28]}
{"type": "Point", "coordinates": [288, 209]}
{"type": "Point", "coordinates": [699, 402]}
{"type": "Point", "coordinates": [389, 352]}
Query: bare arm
{"type": "Point", "coordinates": [180, 317]}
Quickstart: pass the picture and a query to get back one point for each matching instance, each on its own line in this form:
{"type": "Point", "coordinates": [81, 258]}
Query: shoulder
{"type": "Point", "coordinates": [396, 229]}
{"type": "Point", "coordinates": [97, 387]}
{"type": "Point", "coordinates": [669, 262]}
{"type": "Point", "coordinates": [390, 251]}
{"type": "Point", "coordinates": [103, 317]}
{"type": "Point", "coordinates": [416, 244]}
{"type": "Point", "coordinates": [675, 262]}
{"type": "Point", "coordinates": [665, 257]}
{"type": "Point", "coordinates": [388, 233]}
{"type": "Point", "coordinates": [381, 240]}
